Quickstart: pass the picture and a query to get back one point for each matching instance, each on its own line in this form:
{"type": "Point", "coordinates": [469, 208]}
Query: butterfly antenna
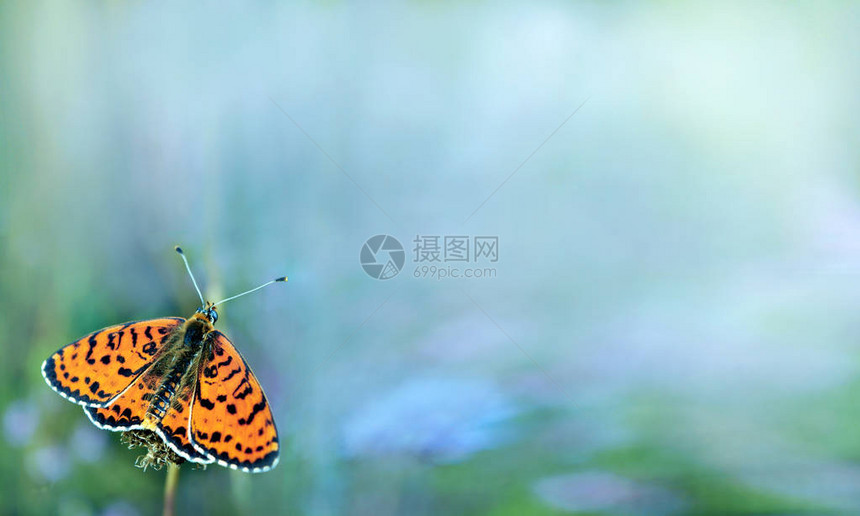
{"type": "Point", "coordinates": [284, 278]}
{"type": "Point", "coordinates": [188, 267]}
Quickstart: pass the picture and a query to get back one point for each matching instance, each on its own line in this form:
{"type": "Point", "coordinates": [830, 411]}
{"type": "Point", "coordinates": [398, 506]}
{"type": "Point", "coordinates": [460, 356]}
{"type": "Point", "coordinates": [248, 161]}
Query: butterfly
{"type": "Point", "coordinates": [179, 378]}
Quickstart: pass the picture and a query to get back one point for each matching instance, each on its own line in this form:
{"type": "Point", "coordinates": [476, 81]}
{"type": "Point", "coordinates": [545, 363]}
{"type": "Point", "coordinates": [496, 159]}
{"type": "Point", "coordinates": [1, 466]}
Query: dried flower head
{"type": "Point", "coordinates": [158, 453]}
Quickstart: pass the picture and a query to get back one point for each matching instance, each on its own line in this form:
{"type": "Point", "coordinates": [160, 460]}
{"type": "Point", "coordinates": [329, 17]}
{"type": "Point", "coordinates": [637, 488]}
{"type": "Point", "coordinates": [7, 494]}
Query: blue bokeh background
{"type": "Point", "coordinates": [670, 328]}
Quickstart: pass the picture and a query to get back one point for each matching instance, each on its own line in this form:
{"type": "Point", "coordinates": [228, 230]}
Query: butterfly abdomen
{"type": "Point", "coordinates": [175, 365]}
{"type": "Point", "coordinates": [162, 398]}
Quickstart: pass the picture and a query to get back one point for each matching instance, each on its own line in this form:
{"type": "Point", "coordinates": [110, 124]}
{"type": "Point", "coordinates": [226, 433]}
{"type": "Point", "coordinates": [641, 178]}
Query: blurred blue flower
{"type": "Point", "coordinates": [20, 422]}
{"type": "Point", "coordinates": [443, 419]}
{"type": "Point", "coordinates": [120, 508]}
{"type": "Point", "coordinates": [598, 491]}
{"type": "Point", "coordinates": [88, 442]}
{"type": "Point", "coordinates": [74, 505]}
{"type": "Point", "coordinates": [468, 338]}
{"type": "Point", "coordinates": [50, 463]}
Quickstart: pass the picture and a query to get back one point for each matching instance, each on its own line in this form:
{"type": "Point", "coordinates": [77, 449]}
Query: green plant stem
{"type": "Point", "coordinates": [170, 488]}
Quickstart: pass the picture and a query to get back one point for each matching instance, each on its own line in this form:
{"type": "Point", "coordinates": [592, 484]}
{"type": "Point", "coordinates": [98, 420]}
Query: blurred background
{"type": "Point", "coordinates": [671, 325]}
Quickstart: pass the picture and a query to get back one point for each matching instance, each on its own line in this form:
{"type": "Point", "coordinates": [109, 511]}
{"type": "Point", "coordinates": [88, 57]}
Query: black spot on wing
{"type": "Point", "coordinates": [91, 342]}
{"type": "Point", "coordinates": [259, 407]}
{"type": "Point", "coordinates": [178, 438]}
{"type": "Point", "coordinates": [116, 421]}
{"type": "Point", "coordinates": [112, 340]}
{"type": "Point", "coordinates": [243, 393]}
{"type": "Point", "coordinates": [124, 371]}
{"type": "Point", "coordinates": [265, 461]}
{"type": "Point", "coordinates": [233, 373]}
{"type": "Point", "coordinates": [50, 371]}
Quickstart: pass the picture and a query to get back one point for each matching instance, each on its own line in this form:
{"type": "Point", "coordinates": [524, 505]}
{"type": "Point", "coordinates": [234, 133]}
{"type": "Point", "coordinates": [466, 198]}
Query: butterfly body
{"type": "Point", "coordinates": [181, 379]}
{"type": "Point", "coordinates": [177, 369]}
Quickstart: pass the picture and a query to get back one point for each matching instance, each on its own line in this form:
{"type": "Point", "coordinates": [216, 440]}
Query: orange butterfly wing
{"type": "Point", "coordinates": [99, 367]}
{"type": "Point", "coordinates": [128, 411]}
{"type": "Point", "coordinates": [174, 430]}
{"type": "Point", "coordinates": [230, 420]}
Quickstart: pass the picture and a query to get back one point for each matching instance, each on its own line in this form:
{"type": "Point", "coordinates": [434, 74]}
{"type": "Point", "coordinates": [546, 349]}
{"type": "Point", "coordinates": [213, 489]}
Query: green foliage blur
{"type": "Point", "coordinates": [670, 327]}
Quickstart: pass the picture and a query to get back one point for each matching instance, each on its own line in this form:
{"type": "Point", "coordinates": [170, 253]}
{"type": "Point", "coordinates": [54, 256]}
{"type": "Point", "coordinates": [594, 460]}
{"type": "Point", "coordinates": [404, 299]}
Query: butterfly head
{"type": "Point", "coordinates": [209, 312]}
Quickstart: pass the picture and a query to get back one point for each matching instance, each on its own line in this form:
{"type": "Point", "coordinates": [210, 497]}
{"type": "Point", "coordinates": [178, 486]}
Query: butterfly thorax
{"type": "Point", "coordinates": [175, 371]}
